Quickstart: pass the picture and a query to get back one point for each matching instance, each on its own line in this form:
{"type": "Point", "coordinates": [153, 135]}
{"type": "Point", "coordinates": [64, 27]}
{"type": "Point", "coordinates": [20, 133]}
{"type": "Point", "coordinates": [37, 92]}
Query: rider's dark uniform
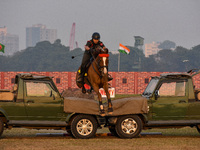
{"type": "Point", "coordinates": [88, 53]}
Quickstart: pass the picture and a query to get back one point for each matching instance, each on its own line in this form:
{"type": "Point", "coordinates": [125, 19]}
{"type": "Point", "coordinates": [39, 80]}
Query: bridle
{"type": "Point", "coordinates": [104, 66]}
{"type": "Point", "coordinates": [97, 64]}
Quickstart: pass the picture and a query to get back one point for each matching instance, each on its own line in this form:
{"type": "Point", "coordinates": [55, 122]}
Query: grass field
{"type": "Point", "coordinates": [117, 96]}
{"type": "Point", "coordinates": [176, 139]}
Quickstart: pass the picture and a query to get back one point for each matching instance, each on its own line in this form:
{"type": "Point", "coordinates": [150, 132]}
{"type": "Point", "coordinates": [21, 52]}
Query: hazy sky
{"type": "Point", "coordinates": [116, 20]}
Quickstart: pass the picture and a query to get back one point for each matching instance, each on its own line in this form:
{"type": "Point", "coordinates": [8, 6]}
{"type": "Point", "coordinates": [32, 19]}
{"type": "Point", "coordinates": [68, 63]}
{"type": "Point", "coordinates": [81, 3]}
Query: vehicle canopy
{"type": "Point", "coordinates": [28, 76]}
{"type": "Point", "coordinates": [151, 87]}
{"type": "Point", "coordinates": [31, 76]}
{"type": "Point", "coordinates": [176, 75]}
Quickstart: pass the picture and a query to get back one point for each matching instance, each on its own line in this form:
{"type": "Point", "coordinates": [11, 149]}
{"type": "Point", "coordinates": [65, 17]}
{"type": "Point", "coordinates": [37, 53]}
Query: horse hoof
{"type": "Point", "coordinates": [83, 90]}
{"type": "Point", "coordinates": [110, 113]}
{"type": "Point", "coordinates": [102, 114]}
{"type": "Point", "coordinates": [89, 91]}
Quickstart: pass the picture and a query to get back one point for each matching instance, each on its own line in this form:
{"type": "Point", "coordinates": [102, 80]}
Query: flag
{"type": "Point", "coordinates": [123, 49]}
{"type": "Point", "coordinates": [2, 48]}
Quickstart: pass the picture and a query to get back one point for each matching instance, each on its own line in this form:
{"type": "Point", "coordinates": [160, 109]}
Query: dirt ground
{"type": "Point", "coordinates": [175, 139]}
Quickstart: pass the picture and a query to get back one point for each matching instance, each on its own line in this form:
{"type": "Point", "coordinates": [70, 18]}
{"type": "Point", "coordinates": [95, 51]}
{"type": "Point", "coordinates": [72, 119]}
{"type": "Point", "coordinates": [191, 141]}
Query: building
{"type": "Point", "coordinates": [10, 41]}
{"type": "Point", "coordinates": [3, 30]}
{"type": "Point", "coordinates": [38, 33]}
{"type": "Point", "coordinates": [139, 42]}
{"type": "Point", "coordinates": [151, 48]}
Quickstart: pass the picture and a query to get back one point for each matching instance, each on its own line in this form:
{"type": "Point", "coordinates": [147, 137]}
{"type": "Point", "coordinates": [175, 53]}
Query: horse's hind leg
{"type": "Point", "coordinates": [101, 108]}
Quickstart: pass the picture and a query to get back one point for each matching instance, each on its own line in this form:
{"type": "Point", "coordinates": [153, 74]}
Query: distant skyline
{"type": "Point", "coordinates": [118, 21]}
{"type": "Point", "coordinates": [37, 33]}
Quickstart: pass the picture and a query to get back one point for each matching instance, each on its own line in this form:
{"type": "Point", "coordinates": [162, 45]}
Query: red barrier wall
{"type": "Point", "coordinates": [123, 82]}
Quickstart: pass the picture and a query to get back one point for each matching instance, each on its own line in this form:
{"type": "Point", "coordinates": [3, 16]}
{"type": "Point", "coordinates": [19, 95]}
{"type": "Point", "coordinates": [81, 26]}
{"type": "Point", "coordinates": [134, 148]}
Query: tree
{"type": "Point", "coordinates": [167, 45]}
{"type": "Point", "coordinates": [57, 42]}
{"type": "Point", "coordinates": [57, 57]}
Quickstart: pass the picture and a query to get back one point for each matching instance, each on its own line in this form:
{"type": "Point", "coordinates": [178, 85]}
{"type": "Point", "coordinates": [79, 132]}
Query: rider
{"type": "Point", "coordinates": [89, 47]}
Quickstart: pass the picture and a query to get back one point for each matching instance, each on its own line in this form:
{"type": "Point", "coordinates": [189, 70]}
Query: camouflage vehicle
{"type": "Point", "coordinates": [36, 103]}
{"type": "Point", "coordinates": [173, 101]}
{"type": "Point", "coordinates": [169, 100]}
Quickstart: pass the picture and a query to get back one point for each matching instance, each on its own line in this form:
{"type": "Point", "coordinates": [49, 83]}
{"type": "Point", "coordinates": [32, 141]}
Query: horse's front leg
{"type": "Point", "coordinates": [110, 109]}
{"type": "Point", "coordinates": [101, 108]}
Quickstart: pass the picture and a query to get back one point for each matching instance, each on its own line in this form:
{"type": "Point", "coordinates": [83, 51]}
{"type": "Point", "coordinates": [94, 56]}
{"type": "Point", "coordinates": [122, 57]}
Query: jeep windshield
{"type": "Point", "coordinates": [150, 87]}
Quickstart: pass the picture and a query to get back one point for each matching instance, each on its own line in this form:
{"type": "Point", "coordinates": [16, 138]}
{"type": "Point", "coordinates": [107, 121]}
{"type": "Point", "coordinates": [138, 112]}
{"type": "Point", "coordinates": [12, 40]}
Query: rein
{"type": "Point", "coordinates": [97, 63]}
{"type": "Point", "coordinates": [97, 66]}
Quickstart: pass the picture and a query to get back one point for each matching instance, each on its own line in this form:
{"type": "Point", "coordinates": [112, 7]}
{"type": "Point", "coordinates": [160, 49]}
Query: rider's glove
{"type": "Point", "coordinates": [106, 50]}
{"type": "Point", "coordinates": [91, 50]}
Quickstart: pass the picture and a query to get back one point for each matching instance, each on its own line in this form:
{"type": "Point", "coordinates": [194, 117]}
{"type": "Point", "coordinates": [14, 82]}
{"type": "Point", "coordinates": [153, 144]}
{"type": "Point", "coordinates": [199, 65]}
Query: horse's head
{"type": "Point", "coordinates": [99, 50]}
{"type": "Point", "coordinates": [103, 63]}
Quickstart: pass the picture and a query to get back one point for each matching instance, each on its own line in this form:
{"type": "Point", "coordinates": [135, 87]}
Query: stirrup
{"type": "Point", "coordinates": [109, 77]}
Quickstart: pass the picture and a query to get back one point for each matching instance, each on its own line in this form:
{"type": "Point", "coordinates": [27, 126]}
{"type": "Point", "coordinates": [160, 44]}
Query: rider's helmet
{"type": "Point", "coordinates": [96, 36]}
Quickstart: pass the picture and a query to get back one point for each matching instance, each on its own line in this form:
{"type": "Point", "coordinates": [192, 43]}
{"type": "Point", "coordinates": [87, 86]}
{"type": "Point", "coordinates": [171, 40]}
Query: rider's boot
{"type": "Point", "coordinates": [83, 90]}
{"type": "Point", "coordinates": [109, 77]}
{"type": "Point", "coordinates": [81, 81]}
{"type": "Point", "coordinates": [81, 77]}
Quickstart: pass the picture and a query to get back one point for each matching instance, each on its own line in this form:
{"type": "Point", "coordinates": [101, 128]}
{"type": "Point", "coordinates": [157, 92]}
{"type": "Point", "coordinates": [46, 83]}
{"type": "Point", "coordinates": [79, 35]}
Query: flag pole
{"type": "Point", "coordinates": [119, 62]}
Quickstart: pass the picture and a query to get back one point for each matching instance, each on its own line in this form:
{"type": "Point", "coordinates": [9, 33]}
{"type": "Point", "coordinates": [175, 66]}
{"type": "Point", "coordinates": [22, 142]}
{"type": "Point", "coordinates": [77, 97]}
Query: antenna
{"type": "Point", "coordinates": [72, 37]}
{"type": "Point", "coordinates": [76, 44]}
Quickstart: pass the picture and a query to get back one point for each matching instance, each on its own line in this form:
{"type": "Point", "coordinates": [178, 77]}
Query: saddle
{"type": "Point", "coordinates": [86, 69]}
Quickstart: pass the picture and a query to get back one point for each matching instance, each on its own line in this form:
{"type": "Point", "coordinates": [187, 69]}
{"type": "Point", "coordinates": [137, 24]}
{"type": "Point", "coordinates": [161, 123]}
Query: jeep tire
{"type": "Point", "coordinates": [128, 126]}
{"type": "Point", "coordinates": [113, 131]}
{"type": "Point", "coordinates": [83, 126]}
{"type": "Point", "coordinates": [1, 127]}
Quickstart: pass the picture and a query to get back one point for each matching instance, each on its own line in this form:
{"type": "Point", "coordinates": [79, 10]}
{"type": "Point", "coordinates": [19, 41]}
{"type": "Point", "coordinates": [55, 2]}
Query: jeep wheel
{"type": "Point", "coordinates": [1, 126]}
{"type": "Point", "coordinates": [83, 126]}
{"type": "Point", "coordinates": [69, 132]}
{"type": "Point", "coordinates": [128, 126]}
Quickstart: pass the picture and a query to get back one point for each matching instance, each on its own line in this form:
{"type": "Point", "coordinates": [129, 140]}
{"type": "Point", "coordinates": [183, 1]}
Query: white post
{"type": "Point", "coordinates": [119, 62]}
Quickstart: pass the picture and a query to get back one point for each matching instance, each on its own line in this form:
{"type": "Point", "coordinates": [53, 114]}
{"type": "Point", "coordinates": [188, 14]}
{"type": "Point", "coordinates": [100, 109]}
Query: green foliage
{"type": "Point", "coordinates": [56, 57]}
{"type": "Point", "coordinates": [181, 59]}
{"type": "Point", "coordinates": [167, 45]}
{"type": "Point", "coordinates": [43, 57]}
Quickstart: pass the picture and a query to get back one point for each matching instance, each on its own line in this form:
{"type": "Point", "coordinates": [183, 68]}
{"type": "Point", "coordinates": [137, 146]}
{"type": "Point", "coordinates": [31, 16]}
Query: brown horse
{"type": "Point", "coordinates": [97, 77]}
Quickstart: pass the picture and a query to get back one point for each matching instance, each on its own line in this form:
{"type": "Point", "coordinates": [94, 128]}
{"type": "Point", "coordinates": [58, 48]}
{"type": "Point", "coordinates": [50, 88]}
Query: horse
{"type": "Point", "coordinates": [97, 77]}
